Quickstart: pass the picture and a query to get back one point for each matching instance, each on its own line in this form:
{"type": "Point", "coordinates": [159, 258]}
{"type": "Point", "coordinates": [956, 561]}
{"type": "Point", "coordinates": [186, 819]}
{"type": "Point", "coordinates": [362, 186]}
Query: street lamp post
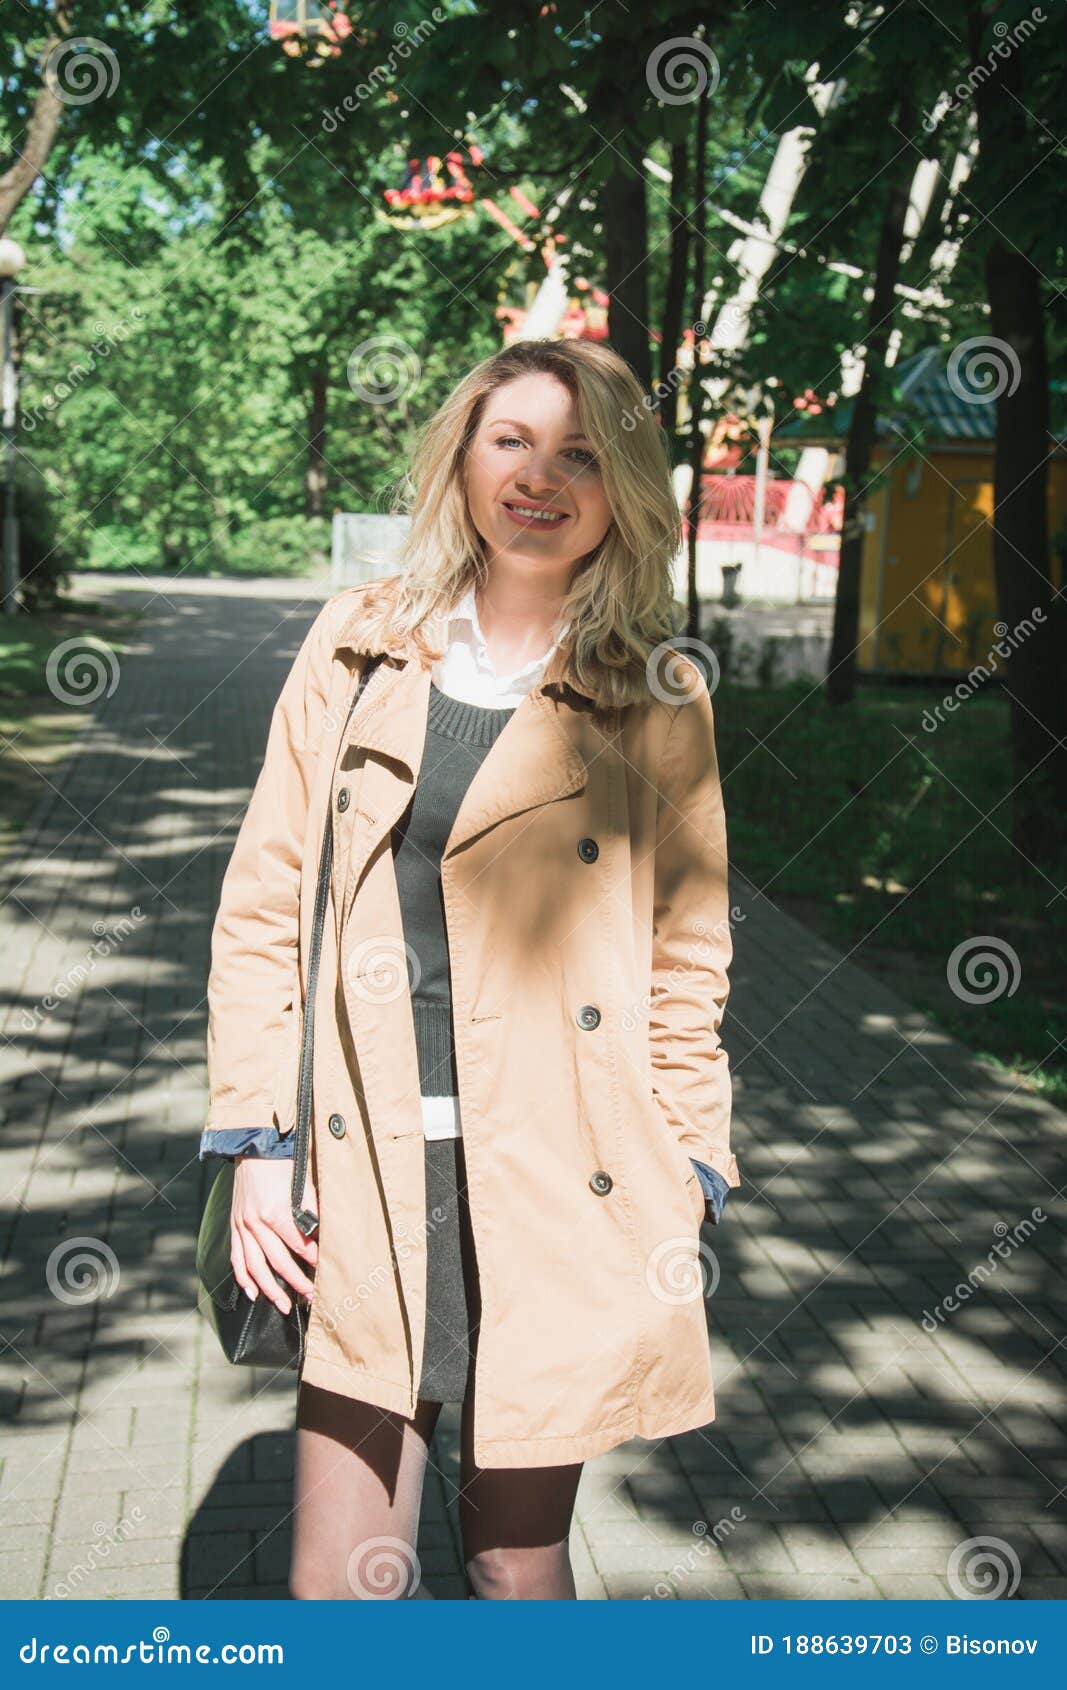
{"type": "Point", "coordinates": [12, 258]}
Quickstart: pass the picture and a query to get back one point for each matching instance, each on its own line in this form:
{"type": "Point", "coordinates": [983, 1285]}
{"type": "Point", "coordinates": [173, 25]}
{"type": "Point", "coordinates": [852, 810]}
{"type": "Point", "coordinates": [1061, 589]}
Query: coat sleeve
{"type": "Point", "coordinates": [691, 940]}
{"type": "Point", "coordinates": [253, 984]}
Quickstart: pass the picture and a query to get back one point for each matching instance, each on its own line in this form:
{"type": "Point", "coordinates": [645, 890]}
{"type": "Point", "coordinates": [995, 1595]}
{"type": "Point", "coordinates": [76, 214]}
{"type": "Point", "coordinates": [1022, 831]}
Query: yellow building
{"type": "Point", "coordinates": [927, 594]}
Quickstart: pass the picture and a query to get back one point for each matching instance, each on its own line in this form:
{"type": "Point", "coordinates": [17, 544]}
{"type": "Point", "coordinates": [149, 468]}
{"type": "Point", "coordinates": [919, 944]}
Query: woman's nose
{"type": "Point", "coordinates": [538, 479]}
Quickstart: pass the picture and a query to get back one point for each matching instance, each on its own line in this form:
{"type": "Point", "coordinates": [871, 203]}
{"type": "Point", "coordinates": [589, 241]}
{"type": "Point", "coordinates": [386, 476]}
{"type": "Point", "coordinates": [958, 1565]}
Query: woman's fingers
{"type": "Point", "coordinates": [280, 1258]}
{"type": "Point", "coordinates": [240, 1266]}
{"type": "Point", "coordinates": [259, 1268]}
{"type": "Point", "coordinates": [290, 1234]}
{"type": "Point", "coordinates": [265, 1236]}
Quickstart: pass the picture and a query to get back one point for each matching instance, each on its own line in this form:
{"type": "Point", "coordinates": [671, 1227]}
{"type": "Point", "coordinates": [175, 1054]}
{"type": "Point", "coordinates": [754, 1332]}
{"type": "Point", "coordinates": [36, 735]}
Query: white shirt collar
{"type": "Point", "coordinates": [467, 611]}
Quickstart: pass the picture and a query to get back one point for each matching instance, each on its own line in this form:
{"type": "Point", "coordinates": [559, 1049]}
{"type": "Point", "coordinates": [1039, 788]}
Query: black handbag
{"type": "Point", "coordinates": [253, 1331]}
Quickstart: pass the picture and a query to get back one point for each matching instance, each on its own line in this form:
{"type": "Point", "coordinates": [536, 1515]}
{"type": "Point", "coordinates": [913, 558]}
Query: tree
{"type": "Point", "coordinates": [1018, 99]}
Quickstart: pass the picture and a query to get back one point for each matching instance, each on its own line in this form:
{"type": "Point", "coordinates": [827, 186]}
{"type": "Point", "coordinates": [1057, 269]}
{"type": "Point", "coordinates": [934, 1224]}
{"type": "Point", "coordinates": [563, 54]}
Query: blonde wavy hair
{"type": "Point", "coordinates": [621, 602]}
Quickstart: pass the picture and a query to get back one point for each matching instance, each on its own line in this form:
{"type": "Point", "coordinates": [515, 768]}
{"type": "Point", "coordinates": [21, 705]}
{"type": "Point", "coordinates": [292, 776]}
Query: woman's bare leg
{"type": "Point", "coordinates": [357, 1496]}
{"type": "Point", "coordinates": [516, 1524]}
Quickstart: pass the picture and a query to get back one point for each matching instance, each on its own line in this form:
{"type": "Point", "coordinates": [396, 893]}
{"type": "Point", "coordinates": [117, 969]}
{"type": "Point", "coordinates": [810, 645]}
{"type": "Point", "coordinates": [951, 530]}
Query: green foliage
{"type": "Point", "coordinates": [167, 364]}
{"type": "Point", "coordinates": [280, 545]}
{"type": "Point", "coordinates": [43, 555]}
{"type": "Point", "coordinates": [894, 831]}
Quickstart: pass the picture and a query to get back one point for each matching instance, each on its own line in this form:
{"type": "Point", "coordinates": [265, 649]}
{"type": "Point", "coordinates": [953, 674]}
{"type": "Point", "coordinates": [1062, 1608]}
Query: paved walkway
{"type": "Point", "coordinates": [857, 1452]}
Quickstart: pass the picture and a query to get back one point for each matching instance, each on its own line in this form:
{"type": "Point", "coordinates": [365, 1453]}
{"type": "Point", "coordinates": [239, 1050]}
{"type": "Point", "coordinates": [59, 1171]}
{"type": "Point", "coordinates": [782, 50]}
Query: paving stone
{"type": "Point", "coordinates": [22, 1571]}
{"type": "Point", "coordinates": [160, 1580]}
{"type": "Point", "coordinates": [1043, 1589]}
{"type": "Point", "coordinates": [710, 1587]}
{"type": "Point", "coordinates": [915, 1587]}
{"type": "Point", "coordinates": [218, 1555]}
{"type": "Point", "coordinates": [26, 1539]}
{"type": "Point", "coordinates": [757, 1547]}
{"type": "Point", "coordinates": [636, 1587]}
{"type": "Point", "coordinates": [809, 1587]}
{"type": "Point", "coordinates": [240, 1593]}
{"type": "Point", "coordinates": [818, 1551]}
{"type": "Point", "coordinates": [652, 1559]}
{"type": "Point", "coordinates": [641, 1532]}
{"type": "Point", "coordinates": [112, 1555]}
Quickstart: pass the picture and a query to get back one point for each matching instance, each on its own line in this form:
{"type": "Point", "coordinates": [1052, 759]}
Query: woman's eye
{"type": "Point", "coordinates": [579, 452]}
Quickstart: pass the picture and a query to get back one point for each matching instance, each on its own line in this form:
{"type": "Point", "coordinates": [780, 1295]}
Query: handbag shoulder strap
{"type": "Point", "coordinates": [306, 1220]}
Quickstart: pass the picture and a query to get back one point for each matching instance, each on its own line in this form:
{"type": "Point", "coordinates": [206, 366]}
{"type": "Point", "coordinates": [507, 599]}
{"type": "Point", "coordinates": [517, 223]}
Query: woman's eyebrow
{"type": "Point", "coordinates": [498, 422]}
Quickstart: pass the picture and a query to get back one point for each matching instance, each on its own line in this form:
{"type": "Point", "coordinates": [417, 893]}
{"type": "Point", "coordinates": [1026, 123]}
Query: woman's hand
{"type": "Point", "coordinates": [263, 1232]}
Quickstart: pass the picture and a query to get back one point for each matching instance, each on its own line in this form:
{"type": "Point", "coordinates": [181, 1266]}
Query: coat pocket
{"type": "Point", "coordinates": [696, 1195]}
{"type": "Point", "coordinates": [679, 1155]}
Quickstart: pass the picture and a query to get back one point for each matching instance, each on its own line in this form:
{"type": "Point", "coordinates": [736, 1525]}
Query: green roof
{"type": "Point", "coordinates": [924, 396]}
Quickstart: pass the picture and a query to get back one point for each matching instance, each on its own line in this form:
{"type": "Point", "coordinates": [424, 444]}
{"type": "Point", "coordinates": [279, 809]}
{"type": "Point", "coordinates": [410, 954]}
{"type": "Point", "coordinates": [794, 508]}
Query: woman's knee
{"type": "Point", "coordinates": [380, 1569]}
{"type": "Point", "coordinates": [541, 1574]}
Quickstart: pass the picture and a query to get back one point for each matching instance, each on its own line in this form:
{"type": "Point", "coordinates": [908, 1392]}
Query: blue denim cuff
{"type": "Point", "coordinates": [245, 1141]}
{"type": "Point", "coordinates": [715, 1190]}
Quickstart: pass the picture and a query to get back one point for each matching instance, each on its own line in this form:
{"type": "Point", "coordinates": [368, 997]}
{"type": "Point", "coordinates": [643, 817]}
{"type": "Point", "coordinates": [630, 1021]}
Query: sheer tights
{"type": "Point", "coordinates": [358, 1493]}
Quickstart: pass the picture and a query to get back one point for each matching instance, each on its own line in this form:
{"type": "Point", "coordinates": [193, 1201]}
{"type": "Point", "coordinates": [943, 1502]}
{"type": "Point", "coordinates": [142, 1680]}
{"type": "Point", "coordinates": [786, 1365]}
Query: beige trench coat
{"type": "Point", "coordinates": [589, 981]}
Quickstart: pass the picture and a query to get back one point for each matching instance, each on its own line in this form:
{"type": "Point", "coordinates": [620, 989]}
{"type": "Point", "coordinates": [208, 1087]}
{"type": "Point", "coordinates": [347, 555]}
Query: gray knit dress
{"type": "Point", "coordinates": [458, 738]}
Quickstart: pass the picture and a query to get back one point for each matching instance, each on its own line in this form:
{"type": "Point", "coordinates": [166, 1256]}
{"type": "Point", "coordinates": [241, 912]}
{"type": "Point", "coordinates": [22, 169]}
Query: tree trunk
{"type": "Point", "coordinates": [41, 130]}
{"type": "Point", "coordinates": [315, 474]}
{"type": "Point", "coordinates": [674, 301]}
{"type": "Point", "coordinates": [695, 503]}
{"type": "Point", "coordinates": [841, 673]}
{"type": "Point", "coordinates": [1025, 592]}
{"type": "Point", "coordinates": [1010, 152]}
{"type": "Point", "coordinates": [625, 219]}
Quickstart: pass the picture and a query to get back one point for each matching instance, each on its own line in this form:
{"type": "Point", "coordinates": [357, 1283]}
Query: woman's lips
{"type": "Point", "coordinates": [524, 520]}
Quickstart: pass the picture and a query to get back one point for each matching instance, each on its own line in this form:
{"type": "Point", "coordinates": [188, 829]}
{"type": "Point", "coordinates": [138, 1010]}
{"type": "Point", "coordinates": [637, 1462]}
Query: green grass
{"type": "Point", "coordinates": [37, 727]}
{"type": "Point", "coordinates": [27, 641]}
{"type": "Point", "coordinates": [898, 841]}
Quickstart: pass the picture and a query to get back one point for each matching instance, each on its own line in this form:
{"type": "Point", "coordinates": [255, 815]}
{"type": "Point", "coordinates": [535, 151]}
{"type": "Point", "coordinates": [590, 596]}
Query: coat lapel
{"type": "Point", "coordinates": [534, 759]}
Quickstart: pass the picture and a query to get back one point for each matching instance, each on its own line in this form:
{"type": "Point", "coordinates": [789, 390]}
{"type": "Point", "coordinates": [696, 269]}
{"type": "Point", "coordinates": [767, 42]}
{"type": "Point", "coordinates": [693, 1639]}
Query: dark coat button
{"type": "Point", "coordinates": [343, 798]}
{"type": "Point", "coordinates": [337, 1126]}
{"type": "Point", "coordinates": [588, 850]}
{"type": "Point", "coordinates": [601, 1182]}
{"type": "Point", "coordinates": [588, 1016]}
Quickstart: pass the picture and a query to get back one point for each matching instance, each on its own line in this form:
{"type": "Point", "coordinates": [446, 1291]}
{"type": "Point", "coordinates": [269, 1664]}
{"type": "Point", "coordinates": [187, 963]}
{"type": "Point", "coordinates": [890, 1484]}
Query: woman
{"type": "Point", "coordinates": [521, 1103]}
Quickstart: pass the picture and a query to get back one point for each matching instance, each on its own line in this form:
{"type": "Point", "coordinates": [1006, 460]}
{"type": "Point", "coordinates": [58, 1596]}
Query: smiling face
{"type": "Point", "coordinates": [534, 489]}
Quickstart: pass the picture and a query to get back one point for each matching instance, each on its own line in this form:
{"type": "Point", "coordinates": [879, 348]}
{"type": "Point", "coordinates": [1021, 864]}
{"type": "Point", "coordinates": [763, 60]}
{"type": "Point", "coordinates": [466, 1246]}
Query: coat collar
{"type": "Point", "coordinates": [354, 636]}
{"type": "Point", "coordinates": [535, 760]}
